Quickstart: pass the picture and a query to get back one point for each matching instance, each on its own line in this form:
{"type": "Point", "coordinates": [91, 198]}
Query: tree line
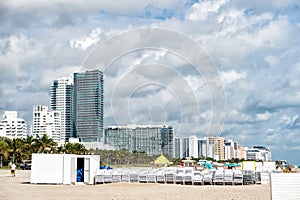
{"type": "Point", "coordinates": [123, 157]}
{"type": "Point", "coordinates": [16, 150]}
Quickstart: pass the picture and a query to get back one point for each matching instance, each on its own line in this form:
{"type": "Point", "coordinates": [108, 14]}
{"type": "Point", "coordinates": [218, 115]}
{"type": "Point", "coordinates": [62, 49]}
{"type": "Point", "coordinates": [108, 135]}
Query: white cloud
{"type": "Point", "coordinates": [202, 9]}
{"type": "Point", "coordinates": [263, 116]}
{"type": "Point", "coordinates": [195, 82]}
{"type": "Point", "coordinates": [48, 6]}
{"type": "Point", "coordinates": [231, 76]}
{"type": "Point", "coordinates": [272, 60]}
{"type": "Point", "coordinates": [86, 42]}
{"type": "Point", "coordinates": [275, 35]}
{"type": "Point", "coordinates": [64, 12]}
{"type": "Point", "coordinates": [290, 122]}
{"type": "Point", "coordinates": [16, 51]}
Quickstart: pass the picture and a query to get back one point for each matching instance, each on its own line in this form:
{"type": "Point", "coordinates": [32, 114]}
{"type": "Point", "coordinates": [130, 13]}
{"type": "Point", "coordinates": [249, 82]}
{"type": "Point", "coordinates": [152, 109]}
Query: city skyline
{"type": "Point", "coordinates": [152, 139]}
{"type": "Point", "coordinates": [254, 45]}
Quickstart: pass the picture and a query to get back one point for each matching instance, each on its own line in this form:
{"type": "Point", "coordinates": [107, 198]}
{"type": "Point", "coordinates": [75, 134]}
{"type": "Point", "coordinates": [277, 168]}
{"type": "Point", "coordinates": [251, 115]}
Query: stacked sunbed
{"type": "Point", "coordinates": [219, 177]}
{"type": "Point", "coordinates": [228, 177]}
{"type": "Point", "coordinates": [237, 177]}
{"type": "Point", "coordinates": [178, 175]}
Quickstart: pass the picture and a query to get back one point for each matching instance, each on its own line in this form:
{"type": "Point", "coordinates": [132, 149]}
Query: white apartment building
{"type": "Point", "coordinates": [181, 147]}
{"type": "Point", "coordinates": [212, 147]}
{"type": "Point", "coordinates": [13, 127]}
{"type": "Point", "coordinates": [217, 148]}
{"type": "Point", "coordinates": [258, 153]}
{"type": "Point", "coordinates": [193, 146]}
{"type": "Point", "coordinates": [62, 100]}
{"type": "Point", "coordinates": [48, 122]}
{"type": "Point", "coordinates": [230, 149]}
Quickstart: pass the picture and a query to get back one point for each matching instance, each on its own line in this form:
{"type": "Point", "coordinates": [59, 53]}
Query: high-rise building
{"type": "Point", "coordinates": [191, 146]}
{"type": "Point", "coordinates": [48, 122]}
{"type": "Point", "coordinates": [153, 139]}
{"type": "Point", "coordinates": [184, 147]}
{"type": "Point", "coordinates": [217, 148]}
{"type": "Point", "coordinates": [203, 147]}
{"type": "Point", "coordinates": [167, 138]}
{"type": "Point", "coordinates": [177, 147]}
{"type": "Point", "coordinates": [185, 152]}
{"type": "Point", "coordinates": [13, 127]}
{"type": "Point", "coordinates": [62, 100]}
{"type": "Point", "coordinates": [230, 149]}
{"type": "Point", "coordinates": [218, 143]}
{"type": "Point", "coordinates": [88, 105]}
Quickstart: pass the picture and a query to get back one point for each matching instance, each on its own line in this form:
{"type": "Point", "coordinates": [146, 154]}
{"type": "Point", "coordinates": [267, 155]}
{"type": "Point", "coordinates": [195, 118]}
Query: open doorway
{"type": "Point", "coordinates": [80, 170]}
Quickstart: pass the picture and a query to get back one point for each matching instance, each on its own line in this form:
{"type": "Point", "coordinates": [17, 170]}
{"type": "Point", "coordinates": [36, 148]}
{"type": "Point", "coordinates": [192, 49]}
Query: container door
{"type": "Point", "coordinates": [73, 170]}
{"type": "Point", "coordinates": [87, 170]}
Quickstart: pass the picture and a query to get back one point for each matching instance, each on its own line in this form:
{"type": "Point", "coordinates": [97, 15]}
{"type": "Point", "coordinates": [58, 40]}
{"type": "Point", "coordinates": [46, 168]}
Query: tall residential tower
{"type": "Point", "coordinates": [62, 100]}
{"type": "Point", "coordinates": [88, 105]}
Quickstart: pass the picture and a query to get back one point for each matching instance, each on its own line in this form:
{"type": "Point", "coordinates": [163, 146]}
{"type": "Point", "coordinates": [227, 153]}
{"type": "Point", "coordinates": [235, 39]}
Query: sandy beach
{"type": "Point", "coordinates": [19, 187]}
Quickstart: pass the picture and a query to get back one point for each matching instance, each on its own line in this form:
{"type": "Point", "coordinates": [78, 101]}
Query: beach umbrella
{"type": "Point", "coordinates": [161, 160]}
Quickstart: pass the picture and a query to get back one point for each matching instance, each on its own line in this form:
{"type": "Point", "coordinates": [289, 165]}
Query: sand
{"type": "Point", "coordinates": [19, 187]}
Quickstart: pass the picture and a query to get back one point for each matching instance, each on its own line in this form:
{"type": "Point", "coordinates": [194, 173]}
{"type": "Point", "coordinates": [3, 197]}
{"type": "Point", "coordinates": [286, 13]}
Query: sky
{"type": "Point", "coordinates": [246, 88]}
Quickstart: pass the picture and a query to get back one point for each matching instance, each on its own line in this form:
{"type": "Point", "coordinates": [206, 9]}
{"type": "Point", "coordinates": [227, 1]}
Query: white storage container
{"type": "Point", "coordinates": [285, 186]}
{"type": "Point", "coordinates": [64, 168]}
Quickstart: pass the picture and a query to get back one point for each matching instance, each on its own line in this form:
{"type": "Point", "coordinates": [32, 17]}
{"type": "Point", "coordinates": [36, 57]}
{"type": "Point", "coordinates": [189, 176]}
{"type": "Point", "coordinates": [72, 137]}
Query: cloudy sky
{"type": "Point", "coordinates": [252, 48]}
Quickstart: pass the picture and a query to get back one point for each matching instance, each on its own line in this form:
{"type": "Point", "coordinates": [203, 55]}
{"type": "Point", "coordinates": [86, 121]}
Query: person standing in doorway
{"type": "Point", "coordinates": [13, 169]}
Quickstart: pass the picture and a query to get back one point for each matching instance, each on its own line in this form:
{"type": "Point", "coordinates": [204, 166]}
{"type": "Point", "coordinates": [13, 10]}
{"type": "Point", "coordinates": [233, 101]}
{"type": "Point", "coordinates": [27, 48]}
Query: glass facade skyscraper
{"type": "Point", "coordinates": [88, 105]}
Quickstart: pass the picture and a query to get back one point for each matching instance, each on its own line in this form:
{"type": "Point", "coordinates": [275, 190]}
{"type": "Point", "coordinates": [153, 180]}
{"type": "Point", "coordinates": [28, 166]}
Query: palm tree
{"type": "Point", "coordinates": [29, 147]}
{"type": "Point", "coordinates": [45, 144]}
{"type": "Point", "coordinates": [15, 149]}
{"type": "Point", "coordinates": [124, 156]}
{"type": "Point", "coordinates": [68, 148]}
{"type": "Point", "coordinates": [80, 148]}
{"type": "Point", "coordinates": [60, 149]}
{"type": "Point", "coordinates": [75, 148]}
{"type": "Point", "coordinates": [3, 151]}
{"type": "Point", "coordinates": [3, 148]}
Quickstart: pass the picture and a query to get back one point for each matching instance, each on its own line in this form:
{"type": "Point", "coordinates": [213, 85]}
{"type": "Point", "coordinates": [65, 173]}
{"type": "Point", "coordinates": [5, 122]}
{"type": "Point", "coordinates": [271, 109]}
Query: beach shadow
{"type": "Point", "coordinates": [8, 176]}
{"type": "Point", "coordinates": [26, 183]}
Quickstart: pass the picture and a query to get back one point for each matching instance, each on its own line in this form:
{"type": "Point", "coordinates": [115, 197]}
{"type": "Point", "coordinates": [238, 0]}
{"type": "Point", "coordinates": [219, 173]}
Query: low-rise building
{"type": "Point", "coordinates": [12, 126]}
{"type": "Point", "coordinates": [92, 145]}
{"type": "Point", "coordinates": [258, 153]}
{"type": "Point", "coordinates": [241, 152]}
